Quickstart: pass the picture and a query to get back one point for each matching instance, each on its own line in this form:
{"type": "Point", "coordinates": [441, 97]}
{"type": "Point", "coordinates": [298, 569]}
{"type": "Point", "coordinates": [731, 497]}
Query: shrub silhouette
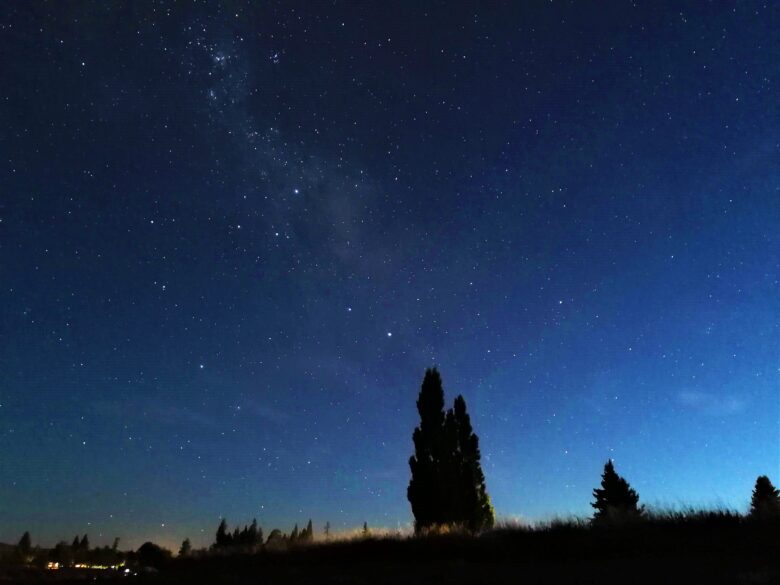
{"type": "Point", "coordinates": [615, 501]}
{"type": "Point", "coordinates": [152, 555]}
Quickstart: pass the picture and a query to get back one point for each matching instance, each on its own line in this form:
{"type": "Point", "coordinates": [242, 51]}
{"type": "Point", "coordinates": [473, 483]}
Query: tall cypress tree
{"type": "Point", "coordinates": [765, 502]}
{"type": "Point", "coordinates": [425, 490]}
{"type": "Point", "coordinates": [447, 485]}
{"type": "Point", "coordinates": [615, 501]}
{"type": "Point", "coordinates": [474, 509]}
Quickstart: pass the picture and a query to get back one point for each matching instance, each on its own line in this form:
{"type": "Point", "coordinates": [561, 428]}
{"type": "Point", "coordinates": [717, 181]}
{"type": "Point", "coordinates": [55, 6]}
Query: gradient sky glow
{"type": "Point", "coordinates": [232, 237]}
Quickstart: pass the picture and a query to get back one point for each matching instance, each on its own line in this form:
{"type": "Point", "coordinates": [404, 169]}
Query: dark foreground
{"type": "Point", "coordinates": [708, 550]}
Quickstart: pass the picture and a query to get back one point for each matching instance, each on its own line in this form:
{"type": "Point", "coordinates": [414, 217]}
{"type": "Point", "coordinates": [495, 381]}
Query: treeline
{"type": "Point", "coordinates": [250, 539]}
{"type": "Point", "coordinates": [77, 552]}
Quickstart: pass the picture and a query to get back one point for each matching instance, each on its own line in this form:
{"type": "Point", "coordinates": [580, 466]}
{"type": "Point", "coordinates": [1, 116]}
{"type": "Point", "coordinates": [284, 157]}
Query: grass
{"type": "Point", "coordinates": [687, 546]}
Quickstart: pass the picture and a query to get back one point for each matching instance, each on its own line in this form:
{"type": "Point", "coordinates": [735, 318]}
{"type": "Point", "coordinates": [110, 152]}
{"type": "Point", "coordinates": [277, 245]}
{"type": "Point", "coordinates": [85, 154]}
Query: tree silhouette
{"type": "Point", "coordinates": [186, 548]}
{"type": "Point", "coordinates": [366, 532]}
{"type": "Point", "coordinates": [276, 540]}
{"type": "Point", "coordinates": [62, 553]}
{"type": "Point", "coordinates": [254, 535]}
{"type": "Point", "coordinates": [152, 555]}
{"type": "Point", "coordinates": [616, 501]}
{"type": "Point", "coordinates": [765, 502]}
{"type": "Point", "coordinates": [294, 534]}
{"type": "Point", "coordinates": [115, 546]}
{"type": "Point", "coordinates": [471, 505]}
{"type": "Point", "coordinates": [75, 544]}
{"type": "Point", "coordinates": [259, 538]}
{"type": "Point", "coordinates": [425, 490]}
{"type": "Point", "coordinates": [326, 530]}
{"type": "Point", "coordinates": [307, 534]}
{"type": "Point", "coordinates": [447, 484]}
{"type": "Point", "coordinates": [84, 544]}
{"type": "Point", "coordinates": [25, 544]}
{"type": "Point", "coordinates": [275, 534]}
{"type": "Point", "coordinates": [223, 538]}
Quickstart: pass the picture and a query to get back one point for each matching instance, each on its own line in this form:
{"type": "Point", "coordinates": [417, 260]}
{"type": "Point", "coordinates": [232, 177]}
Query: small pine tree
{"type": "Point", "coordinates": [115, 546]}
{"type": "Point", "coordinates": [252, 535]}
{"type": "Point", "coordinates": [326, 530]}
{"type": "Point", "coordinates": [309, 532]}
{"type": "Point", "coordinates": [222, 538]}
{"type": "Point", "coordinates": [84, 544]}
{"type": "Point", "coordinates": [25, 544]}
{"type": "Point", "coordinates": [366, 532]}
{"type": "Point", "coordinates": [186, 548]}
{"type": "Point", "coordinates": [765, 502]}
{"type": "Point", "coordinates": [615, 501]}
{"type": "Point", "coordinates": [294, 534]}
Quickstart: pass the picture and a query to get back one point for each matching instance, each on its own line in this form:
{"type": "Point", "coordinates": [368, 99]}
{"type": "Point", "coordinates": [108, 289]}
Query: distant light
{"type": "Point", "coordinates": [201, 366]}
{"type": "Point", "coordinates": [389, 334]}
{"type": "Point", "coordinates": [296, 191]}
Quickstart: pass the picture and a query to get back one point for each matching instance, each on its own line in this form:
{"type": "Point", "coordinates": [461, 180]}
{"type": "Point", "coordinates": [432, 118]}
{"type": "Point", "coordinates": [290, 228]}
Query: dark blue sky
{"type": "Point", "coordinates": [232, 237]}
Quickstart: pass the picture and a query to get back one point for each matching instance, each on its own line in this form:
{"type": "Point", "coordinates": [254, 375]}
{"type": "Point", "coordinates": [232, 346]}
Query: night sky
{"type": "Point", "coordinates": [232, 238]}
